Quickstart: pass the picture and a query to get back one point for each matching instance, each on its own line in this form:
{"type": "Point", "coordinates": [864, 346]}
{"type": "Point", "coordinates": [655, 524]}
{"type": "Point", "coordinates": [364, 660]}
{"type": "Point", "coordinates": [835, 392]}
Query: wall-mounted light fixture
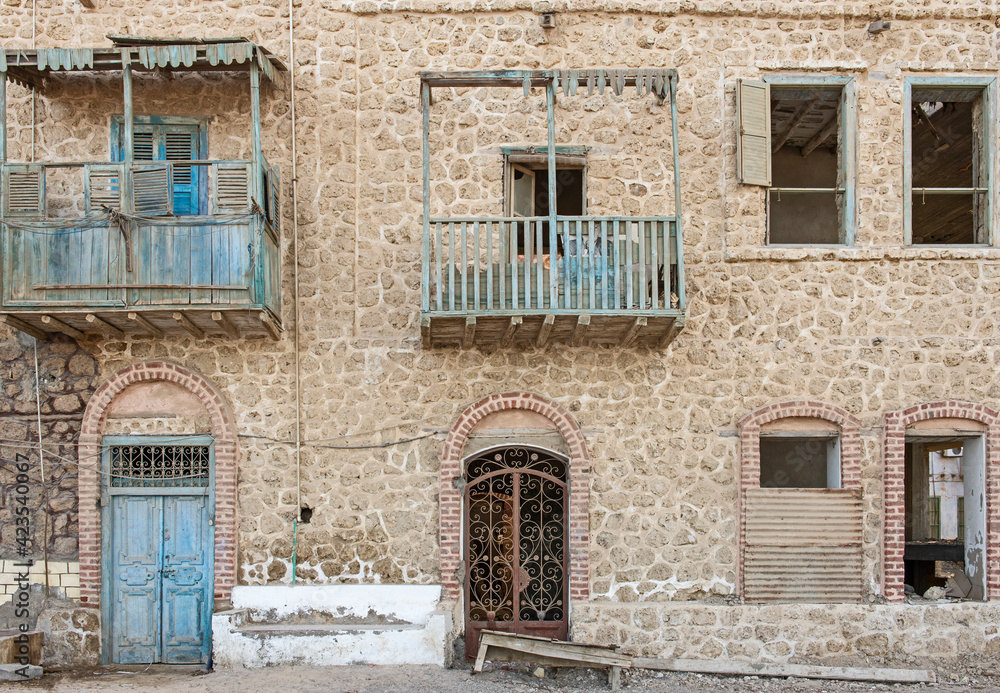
{"type": "Point", "coordinates": [547, 20]}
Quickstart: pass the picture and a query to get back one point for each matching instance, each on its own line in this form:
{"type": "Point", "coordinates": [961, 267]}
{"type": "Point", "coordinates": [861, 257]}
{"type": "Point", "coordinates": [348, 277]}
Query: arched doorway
{"type": "Point", "coordinates": [516, 503]}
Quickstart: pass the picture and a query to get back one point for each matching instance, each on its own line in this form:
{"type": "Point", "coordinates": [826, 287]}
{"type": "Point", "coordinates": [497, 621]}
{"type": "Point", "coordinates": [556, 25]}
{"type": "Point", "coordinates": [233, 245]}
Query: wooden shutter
{"type": "Point", "coordinates": [143, 145]}
{"type": "Point", "coordinates": [232, 188]}
{"type": "Point", "coordinates": [272, 198]}
{"type": "Point", "coordinates": [802, 545]}
{"type": "Point", "coordinates": [104, 187]}
{"type": "Point", "coordinates": [753, 143]}
{"type": "Point", "coordinates": [181, 144]}
{"type": "Point", "coordinates": [151, 190]}
{"type": "Point", "coordinates": [24, 190]}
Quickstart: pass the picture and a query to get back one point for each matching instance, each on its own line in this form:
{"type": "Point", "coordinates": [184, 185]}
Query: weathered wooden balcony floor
{"type": "Point", "coordinates": [154, 321]}
{"type": "Point", "coordinates": [656, 331]}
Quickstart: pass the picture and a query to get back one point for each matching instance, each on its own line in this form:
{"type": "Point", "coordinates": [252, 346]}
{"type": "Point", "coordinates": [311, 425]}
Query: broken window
{"type": "Point", "coordinates": [796, 137]}
{"type": "Point", "coordinates": [800, 460]}
{"type": "Point", "coordinates": [527, 196]}
{"type": "Point", "coordinates": [944, 476]}
{"type": "Point", "coordinates": [948, 162]}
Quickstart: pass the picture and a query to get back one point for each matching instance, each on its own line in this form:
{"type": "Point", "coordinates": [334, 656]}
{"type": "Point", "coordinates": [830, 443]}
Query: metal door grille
{"type": "Point", "coordinates": [516, 543]}
{"type": "Point", "coordinates": [159, 466]}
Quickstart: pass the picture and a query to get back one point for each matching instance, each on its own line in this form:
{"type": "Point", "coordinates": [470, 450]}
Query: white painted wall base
{"type": "Point", "coordinates": [330, 625]}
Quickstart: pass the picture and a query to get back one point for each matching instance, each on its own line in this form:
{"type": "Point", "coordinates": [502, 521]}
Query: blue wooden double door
{"type": "Point", "coordinates": [159, 568]}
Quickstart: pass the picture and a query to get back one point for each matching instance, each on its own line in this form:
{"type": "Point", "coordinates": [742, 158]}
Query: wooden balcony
{"type": "Point", "coordinates": [74, 263]}
{"type": "Point", "coordinates": [583, 280]}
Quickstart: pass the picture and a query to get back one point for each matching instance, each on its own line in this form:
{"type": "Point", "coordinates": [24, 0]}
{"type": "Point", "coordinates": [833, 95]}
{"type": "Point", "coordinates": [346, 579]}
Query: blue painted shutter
{"type": "Point", "coordinates": [164, 142]}
{"type": "Point", "coordinates": [181, 144]}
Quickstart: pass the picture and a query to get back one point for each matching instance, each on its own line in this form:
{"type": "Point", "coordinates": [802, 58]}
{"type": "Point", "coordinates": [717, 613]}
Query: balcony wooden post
{"type": "Point", "coordinates": [425, 279]}
{"type": "Point", "coordinates": [256, 154]}
{"type": "Point", "coordinates": [675, 145]}
{"type": "Point", "coordinates": [550, 104]}
{"type": "Point", "coordinates": [128, 132]}
{"type": "Point", "coordinates": [3, 117]}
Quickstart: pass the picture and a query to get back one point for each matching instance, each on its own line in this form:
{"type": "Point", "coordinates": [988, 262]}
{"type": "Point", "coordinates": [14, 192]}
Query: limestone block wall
{"type": "Point", "coordinates": [870, 329]}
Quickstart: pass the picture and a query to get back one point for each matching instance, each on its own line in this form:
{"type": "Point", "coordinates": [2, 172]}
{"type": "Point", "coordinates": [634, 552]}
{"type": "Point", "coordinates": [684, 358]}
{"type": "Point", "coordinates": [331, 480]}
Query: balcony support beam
{"type": "Point", "coordinates": [185, 322]}
{"type": "Point", "coordinates": [105, 327]}
{"type": "Point", "coordinates": [672, 332]}
{"type": "Point", "coordinates": [145, 325]}
{"type": "Point", "coordinates": [60, 326]}
{"type": "Point", "coordinates": [512, 327]}
{"type": "Point", "coordinates": [227, 326]}
{"type": "Point", "coordinates": [469, 338]}
{"type": "Point", "coordinates": [3, 117]}
{"type": "Point", "coordinates": [24, 327]}
{"type": "Point", "coordinates": [269, 325]}
{"type": "Point", "coordinates": [425, 332]}
{"type": "Point", "coordinates": [580, 330]}
{"type": "Point", "coordinates": [545, 330]}
{"type": "Point", "coordinates": [629, 338]}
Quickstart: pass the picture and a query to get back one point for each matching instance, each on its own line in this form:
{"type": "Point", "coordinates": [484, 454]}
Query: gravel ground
{"type": "Point", "coordinates": [496, 679]}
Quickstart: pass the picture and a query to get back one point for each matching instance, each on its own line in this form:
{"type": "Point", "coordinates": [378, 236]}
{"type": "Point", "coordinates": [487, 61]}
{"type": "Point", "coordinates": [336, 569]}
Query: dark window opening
{"type": "Point", "coordinates": [806, 201]}
{"type": "Point", "coordinates": [799, 462]}
{"type": "Point", "coordinates": [528, 196]}
{"type": "Point", "coordinates": [947, 167]}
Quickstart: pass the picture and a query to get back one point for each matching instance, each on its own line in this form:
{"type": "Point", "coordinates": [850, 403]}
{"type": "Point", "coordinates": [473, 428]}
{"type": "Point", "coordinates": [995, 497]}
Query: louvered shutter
{"type": "Point", "coordinates": [173, 142]}
{"type": "Point", "coordinates": [232, 188]}
{"type": "Point", "coordinates": [272, 198]}
{"type": "Point", "coordinates": [104, 187]}
{"type": "Point", "coordinates": [24, 190]}
{"type": "Point", "coordinates": [753, 143]}
{"type": "Point", "coordinates": [151, 190]}
{"type": "Point", "coordinates": [181, 144]}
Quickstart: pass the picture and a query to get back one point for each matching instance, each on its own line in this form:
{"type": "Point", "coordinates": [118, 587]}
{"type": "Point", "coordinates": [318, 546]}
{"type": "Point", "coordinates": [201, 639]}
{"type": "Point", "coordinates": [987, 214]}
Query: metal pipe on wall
{"type": "Point", "coordinates": [295, 271]}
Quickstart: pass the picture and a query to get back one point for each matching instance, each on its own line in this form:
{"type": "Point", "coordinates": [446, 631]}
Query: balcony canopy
{"type": "Point", "coordinates": [30, 67]}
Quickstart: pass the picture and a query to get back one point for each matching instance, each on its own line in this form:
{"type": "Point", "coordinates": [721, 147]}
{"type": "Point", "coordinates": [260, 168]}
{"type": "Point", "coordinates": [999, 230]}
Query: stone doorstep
{"type": "Point", "coordinates": [324, 628]}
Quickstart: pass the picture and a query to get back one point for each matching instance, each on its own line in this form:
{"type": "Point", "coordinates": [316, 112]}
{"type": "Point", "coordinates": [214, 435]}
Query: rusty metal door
{"type": "Point", "coordinates": [516, 541]}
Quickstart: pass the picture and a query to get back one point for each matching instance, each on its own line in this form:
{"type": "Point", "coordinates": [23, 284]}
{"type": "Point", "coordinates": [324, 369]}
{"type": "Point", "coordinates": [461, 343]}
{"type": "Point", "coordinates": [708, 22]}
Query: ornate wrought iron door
{"type": "Point", "coordinates": [516, 551]}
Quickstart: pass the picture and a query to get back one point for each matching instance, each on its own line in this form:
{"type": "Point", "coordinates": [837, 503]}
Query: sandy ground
{"type": "Point", "coordinates": [404, 679]}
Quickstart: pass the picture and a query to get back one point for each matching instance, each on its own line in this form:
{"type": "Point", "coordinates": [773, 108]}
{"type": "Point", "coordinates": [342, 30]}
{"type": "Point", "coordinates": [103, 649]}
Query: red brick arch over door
{"type": "Point", "coordinates": [894, 487]}
{"type": "Point", "coordinates": [579, 488]}
{"type": "Point", "coordinates": [226, 452]}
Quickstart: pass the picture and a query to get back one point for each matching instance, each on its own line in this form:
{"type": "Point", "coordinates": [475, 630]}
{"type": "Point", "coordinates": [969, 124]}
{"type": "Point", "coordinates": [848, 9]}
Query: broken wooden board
{"type": "Point", "coordinates": [507, 647]}
{"type": "Point", "coordinates": [803, 671]}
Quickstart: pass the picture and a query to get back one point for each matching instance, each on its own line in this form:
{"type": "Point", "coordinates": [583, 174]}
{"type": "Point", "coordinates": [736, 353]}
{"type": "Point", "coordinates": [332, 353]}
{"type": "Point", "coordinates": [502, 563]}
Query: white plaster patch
{"type": "Point", "coordinates": [409, 603]}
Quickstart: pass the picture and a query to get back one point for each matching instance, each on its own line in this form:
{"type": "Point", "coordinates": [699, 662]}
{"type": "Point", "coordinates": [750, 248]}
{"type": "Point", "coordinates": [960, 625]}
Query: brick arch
{"type": "Point", "coordinates": [579, 487]}
{"type": "Point", "coordinates": [749, 450]}
{"type": "Point", "coordinates": [226, 455]}
{"type": "Point", "coordinates": [893, 487]}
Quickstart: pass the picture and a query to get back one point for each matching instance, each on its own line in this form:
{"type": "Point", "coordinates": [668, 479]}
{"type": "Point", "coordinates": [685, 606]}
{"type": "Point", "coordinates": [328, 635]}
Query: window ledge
{"type": "Point", "coordinates": [831, 253]}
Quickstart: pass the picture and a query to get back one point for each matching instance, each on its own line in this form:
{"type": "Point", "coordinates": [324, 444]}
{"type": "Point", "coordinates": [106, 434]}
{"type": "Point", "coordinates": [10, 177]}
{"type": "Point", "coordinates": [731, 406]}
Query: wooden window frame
{"type": "Point", "coordinates": [989, 87]}
{"type": "Point", "coordinates": [846, 158]}
{"type": "Point", "coordinates": [118, 122]}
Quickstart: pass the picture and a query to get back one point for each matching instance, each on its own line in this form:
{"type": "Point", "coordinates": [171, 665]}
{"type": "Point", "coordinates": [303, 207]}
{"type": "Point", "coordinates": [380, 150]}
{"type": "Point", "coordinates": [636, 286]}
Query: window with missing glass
{"type": "Point", "coordinates": [797, 139]}
{"type": "Point", "coordinates": [947, 138]}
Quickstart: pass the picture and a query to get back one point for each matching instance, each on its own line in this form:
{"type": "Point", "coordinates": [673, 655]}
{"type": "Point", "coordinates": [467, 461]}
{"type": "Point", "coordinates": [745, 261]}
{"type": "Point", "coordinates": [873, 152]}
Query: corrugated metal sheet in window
{"type": "Point", "coordinates": [803, 545]}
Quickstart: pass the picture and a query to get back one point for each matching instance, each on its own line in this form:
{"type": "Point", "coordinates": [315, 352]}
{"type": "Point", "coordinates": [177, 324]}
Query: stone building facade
{"type": "Point", "coordinates": [874, 342]}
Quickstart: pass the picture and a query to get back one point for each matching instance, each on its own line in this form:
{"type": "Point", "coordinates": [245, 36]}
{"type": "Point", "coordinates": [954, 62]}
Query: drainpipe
{"type": "Point", "coordinates": [295, 290]}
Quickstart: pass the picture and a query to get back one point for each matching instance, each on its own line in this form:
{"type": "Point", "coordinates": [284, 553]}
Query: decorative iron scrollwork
{"type": "Point", "coordinates": [516, 501]}
{"type": "Point", "coordinates": [159, 465]}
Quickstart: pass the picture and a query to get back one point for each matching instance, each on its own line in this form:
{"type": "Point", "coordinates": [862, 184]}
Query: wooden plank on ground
{"type": "Point", "coordinates": [804, 671]}
{"type": "Point", "coordinates": [507, 647]}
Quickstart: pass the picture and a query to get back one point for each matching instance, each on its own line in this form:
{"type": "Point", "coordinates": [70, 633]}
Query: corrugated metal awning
{"type": "Point", "coordinates": [29, 67]}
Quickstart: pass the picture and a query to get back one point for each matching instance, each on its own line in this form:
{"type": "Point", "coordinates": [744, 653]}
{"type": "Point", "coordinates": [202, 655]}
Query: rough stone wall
{"type": "Point", "coordinates": [67, 377]}
{"type": "Point", "coordinates": [871, 329]}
